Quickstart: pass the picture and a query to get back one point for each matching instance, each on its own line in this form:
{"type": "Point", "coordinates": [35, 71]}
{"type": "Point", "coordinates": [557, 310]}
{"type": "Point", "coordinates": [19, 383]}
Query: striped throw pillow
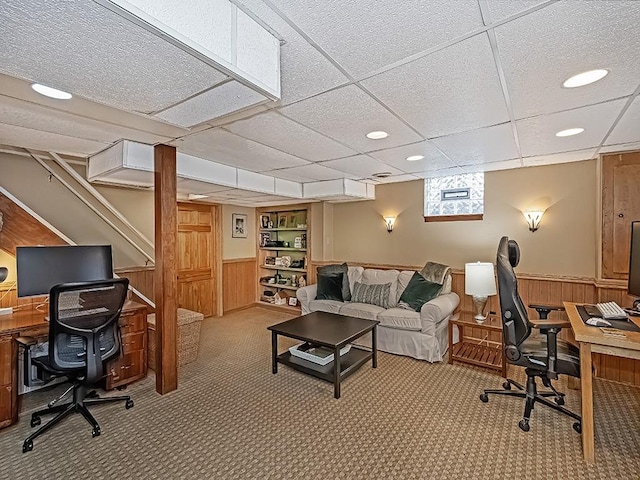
{"type": "Point", "coordinates": [372, 294]}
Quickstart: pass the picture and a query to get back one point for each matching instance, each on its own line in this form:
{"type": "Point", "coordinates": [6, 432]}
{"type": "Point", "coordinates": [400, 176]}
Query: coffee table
{"type": "Point", "coordinates": [328, 330]}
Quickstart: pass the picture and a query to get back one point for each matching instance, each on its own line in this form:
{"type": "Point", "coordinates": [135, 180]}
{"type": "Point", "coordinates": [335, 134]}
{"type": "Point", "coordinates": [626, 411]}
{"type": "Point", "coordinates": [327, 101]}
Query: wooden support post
{"type": "Point", "coordinates": [166, 284]}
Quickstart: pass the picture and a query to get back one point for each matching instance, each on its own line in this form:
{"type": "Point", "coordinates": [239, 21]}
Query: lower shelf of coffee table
{"type": "Point", "coordinates": [349, 363]}
{"type": "Point", "coordinates": [476, 354]}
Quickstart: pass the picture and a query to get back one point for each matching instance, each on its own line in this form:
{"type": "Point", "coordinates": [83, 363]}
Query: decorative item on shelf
{"type": "Point", "coordinates": [264, 239]}
{"type": "Point", "coordinates": [533, 218]}
{"type": "Point", "coordinates": [270, 261]}
{"type": "Point", "coordinates": [278, 262]}
{"type": "Point", "coordinates": [390, 222]}
{"type": "Point", "coordinates": [264, 221]}
{"type": "Point", "coordinates": [297, 242]}
{"type": "Point", "coordinates": [294, 280]}
{"type": "Point", "coordinates": [297, 263]}
{"type": "Point", "coordinates": [293, 220]}
{"type": "Point", "coordinates": [281, 298]}
{"type": "Point", "coordinates": [303, 238]}
{"type": "Point", "coordinates": [302, 282]}
{"type": "Point", "coordinates": [282, 221]}
{"type": "Point", "coordinates": [238, 225]}
{"type": "Point", "coordinates": [293, 301]}
{"type": "Point", "coordinates": [270, 224]}
{"type": "Point", "coordinates": [274, 243]}
{"type": "Point", "coordinates": [286, 245]}
{"type": "Point", "coordinates": [286, 261]}
{"type": "Point", "coordinates": [267, 279]}
{"type": "Point", "coordinates": [480, 283]}
{"type": "Point", "coordinates": [301, 225]}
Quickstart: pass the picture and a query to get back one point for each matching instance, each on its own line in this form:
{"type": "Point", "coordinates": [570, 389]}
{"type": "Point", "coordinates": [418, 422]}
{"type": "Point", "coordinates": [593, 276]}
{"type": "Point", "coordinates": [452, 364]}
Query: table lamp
{"type": "Point", "coordinates": [480, 283]}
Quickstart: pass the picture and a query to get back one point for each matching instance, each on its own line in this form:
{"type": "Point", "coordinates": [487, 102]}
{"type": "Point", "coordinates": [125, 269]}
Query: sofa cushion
{"type": "Point", "coordinates": [330, 306]}
{"type": "Point", "coordinates": [403, 280]}
{"type": "Point", "coordinates": [330, 286]}
{"type": "Point", "coordinates": [361, 310]}
{"type": "Point", "coordinates": [418, 292]}
{"type": "Point", "coordinates": [355, 275]}
{"type": "Point", "coordinates": [371, 276]}
{"type": "Point", "coordinates": [335, 269]}
{"type": "Point", "coordinates": [401, 319]}
{"type": "Point", "coordinates": [372, 294]}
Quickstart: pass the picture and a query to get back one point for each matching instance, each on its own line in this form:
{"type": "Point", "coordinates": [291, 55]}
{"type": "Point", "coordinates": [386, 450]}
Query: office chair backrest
{"type": "Point", "coordinates": [83, 331]}
{"type": "Point", "coordinates": [515, 320]}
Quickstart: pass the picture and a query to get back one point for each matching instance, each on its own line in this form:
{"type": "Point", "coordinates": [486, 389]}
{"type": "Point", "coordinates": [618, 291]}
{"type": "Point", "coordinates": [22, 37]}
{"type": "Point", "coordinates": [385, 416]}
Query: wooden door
{"type": "Point", "coordinates": [196, 255]}
{"type": "Point", "coordinates": [620, 206]}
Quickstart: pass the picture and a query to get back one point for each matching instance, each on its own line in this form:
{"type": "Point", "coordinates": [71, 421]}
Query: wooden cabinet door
{"type": "Point", "coordinates": [620, 206]}
{"type": "Point", "coordinates": [7, 395]}
{"type": "Point", "coordinates": [195, 258]}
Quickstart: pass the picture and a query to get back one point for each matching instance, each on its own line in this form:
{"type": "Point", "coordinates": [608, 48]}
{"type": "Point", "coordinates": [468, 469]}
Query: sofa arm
{"type": "Point", "coordinates": [436, 310]}
{"type": "Point", "coordinates": [305, 295]}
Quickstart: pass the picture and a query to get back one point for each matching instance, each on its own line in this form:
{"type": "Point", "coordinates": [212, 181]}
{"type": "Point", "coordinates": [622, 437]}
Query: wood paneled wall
{"type": "Point", "coordinates": [536, 289]}
{"type": "Point", "coordinates": [239, 280]}
{"type": "Point", "coordinates": [142, 279]}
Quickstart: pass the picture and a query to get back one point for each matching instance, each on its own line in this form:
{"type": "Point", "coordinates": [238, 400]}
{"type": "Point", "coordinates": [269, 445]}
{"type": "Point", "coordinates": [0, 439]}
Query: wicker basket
{"type": "Point", "coordinates": [188, 336]}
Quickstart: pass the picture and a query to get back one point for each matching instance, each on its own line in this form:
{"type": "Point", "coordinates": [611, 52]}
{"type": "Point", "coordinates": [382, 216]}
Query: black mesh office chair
{"type": "Point", "coordinates": [542, 355]}
{"type": "Point", "coordinates": [83, 335]}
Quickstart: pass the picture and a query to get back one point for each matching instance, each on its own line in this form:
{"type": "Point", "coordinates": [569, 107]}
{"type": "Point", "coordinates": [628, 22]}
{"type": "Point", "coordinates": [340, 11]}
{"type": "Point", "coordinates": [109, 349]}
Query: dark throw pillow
{"type": "Point", "coordinates": [377, 294]}
{"type": "Point", "coordinates": [335, 269]}
{"type": "Point", "coordinates": [418, 292]}
{"type": "Point", "coordinates": [330, 287]}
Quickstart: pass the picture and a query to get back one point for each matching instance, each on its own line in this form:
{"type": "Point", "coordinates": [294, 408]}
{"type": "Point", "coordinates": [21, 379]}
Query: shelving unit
{"type": "Point", "coordinates": [282, 232]}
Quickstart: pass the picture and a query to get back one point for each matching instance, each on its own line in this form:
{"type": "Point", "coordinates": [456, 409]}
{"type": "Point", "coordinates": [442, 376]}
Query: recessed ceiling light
{"type": "Point", "coordinates": [585, 78]}
{"type": "Point", "coordinates": [569, 132]}
{"type": "Point", "coordinates": [51, 92]}
{"type": "Point", "coordinates": [377, 135]}
{"type": "Point", "coordinates": [381, 175]}
{"type": "Point", "coordinates": [415, 158]}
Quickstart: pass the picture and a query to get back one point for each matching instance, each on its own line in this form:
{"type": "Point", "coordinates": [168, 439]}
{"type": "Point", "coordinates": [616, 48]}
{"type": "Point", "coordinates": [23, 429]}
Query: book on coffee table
{"type": "Point", "coordinates": [316, 353]}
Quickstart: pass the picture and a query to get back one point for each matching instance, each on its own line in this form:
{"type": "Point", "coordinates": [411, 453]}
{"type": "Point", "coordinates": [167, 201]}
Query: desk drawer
{"type": "Point", "coordinates": [132, 342]}
{"type": "Point", "coordinates": [6, 359]}
{"type": "Point", "coordinates": [132, 323]}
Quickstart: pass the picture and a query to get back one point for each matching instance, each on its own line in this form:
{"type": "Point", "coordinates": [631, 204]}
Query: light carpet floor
{"type": "Point", "coordinates": [407, 419]}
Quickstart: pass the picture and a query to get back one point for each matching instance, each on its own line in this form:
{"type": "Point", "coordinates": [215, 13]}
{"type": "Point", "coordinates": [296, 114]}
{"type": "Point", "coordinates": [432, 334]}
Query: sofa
{"type": "Point", "coordinates": [419, 334]}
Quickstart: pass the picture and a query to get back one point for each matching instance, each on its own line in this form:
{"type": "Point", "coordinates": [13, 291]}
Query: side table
{"type": "Point", "coordinates": [480, 343]}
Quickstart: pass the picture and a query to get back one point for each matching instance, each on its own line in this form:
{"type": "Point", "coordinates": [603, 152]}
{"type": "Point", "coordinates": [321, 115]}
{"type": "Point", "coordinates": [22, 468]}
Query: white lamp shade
{"type": "Point", "coordinates": [479, 279]}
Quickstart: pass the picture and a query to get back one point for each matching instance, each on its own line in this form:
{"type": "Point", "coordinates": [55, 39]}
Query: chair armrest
{"type": "Point", "coordinates": [438, 309]}
{"type": "Point", "coordinates": [544, 310]}
{"type": "Point", "coordinates": [544, 324]}
{"type": "Point", "coordinates": [305, 295]}
{"type": "Point", "coordinates": [26, 342]}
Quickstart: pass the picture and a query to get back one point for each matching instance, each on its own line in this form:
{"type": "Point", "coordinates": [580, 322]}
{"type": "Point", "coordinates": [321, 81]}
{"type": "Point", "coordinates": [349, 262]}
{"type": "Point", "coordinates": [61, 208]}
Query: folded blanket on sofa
{"type": "Point", "coordinates": [437, 273]}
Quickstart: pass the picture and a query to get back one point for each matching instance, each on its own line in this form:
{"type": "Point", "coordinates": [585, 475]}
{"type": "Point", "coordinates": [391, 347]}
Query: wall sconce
{"type": "Point", "coordinates": [390, 221]}
{"type": "Point", "coordinates": [4, 272]}
{"type": "Point", "coordinates": [533, 218]}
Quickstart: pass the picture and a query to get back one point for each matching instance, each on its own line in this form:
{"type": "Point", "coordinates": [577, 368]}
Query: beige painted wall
{"type": "Point", "coordinates": [238, 247]}
{"type": "Point", "coordinates": [136, 205]}
{"type": "Point", "coordinates": [8, 261]}
{"type": "Point", "coordinates": [565, 244]}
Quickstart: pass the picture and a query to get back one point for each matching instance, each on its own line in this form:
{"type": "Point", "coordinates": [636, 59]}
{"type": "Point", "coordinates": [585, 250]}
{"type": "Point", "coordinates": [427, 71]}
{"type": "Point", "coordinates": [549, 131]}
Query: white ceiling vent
{"type": "Point", "coordinates": [131, 164]}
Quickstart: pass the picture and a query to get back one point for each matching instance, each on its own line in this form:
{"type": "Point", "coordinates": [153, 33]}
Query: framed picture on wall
{"type": "Point", "coordinates": [238, 225]}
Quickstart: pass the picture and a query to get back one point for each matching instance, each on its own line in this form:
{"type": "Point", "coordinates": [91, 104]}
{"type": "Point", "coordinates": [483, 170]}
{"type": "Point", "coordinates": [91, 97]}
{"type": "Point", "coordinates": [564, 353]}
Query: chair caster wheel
{"type": "Point", "coordinates": [484, 398]}
{"type": "Point", "coordinates": [95, 432]}
{"type": "Point", "coordinates": [559, 401]}
{"type": "Point", "coordinates": [524, 425]}
{"type": "Point", "coordinates": [129, 404]}
{"type": "Point", "coordinates": [506, 386]}
{"type": "Point", "coordinates": [577, 427]}
{"type": "Point", "coordinates": [35, 421]}
{"type": "Point", "coordinates": [27, 446]}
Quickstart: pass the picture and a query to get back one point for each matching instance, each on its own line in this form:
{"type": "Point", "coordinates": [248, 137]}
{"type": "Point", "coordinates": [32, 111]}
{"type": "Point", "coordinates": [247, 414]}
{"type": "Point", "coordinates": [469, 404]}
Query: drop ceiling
{"type": "Point", "coordinates": [469, 84]}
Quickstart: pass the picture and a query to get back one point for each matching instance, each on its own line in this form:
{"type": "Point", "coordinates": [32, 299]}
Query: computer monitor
{"type": "Point", "coordinates": [40, 268]}
{"type": "Point", "coordinates": [633, 288]}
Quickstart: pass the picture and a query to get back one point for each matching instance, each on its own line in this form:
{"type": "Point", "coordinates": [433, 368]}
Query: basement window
{"type": "Point", "coordinates": [454, 198]}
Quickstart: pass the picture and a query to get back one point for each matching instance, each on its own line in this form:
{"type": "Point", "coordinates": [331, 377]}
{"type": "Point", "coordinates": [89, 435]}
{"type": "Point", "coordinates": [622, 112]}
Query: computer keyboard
{"type": "Point", "coordinates": [611, 311]}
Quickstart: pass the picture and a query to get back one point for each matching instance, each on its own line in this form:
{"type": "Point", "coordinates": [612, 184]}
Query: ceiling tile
{"type": "Point", "coordinates": [48, 142]}
{"type": "Point", "coordinates": [304, 71]}
{"type": "Point", "coordinates": [628, 128]}
{"type": "Point", "coordinates": [484, 145]}
{"type": "Point", "coordinates": [361, 166]}
{"type": "Point", "coordinates": [445, 172]}
{"type": "Point", "coordinates": [222, 100]}
{"type": "Point", "coordinates": [565, 157]}
{"type": "Point", "coordinates": [450, 91]}
{"type": "Point", "coordinates": [284, 134]}
{"type": "Point", "coordinates": [38, 117]}
{"type": "Point", "coordinates": [308, 173]}
{"type": "Point", "coordinates": [538, 135]}
{"type": "Point", "coordinates": [347, 115]}
{"type": "Point", "coordinates": [92, 52]}
{"type": "Point", "coordinates": [541, 50]}
{"type": "Point", "coordinates": [501, 9]}
{"type": "Point", "coordinates": [194, 186]}
{"type": "Point", "coordinates": [492, 166]}
{"type": "Point", "coordinates": [365, 35]}
{"type": "Point", "coordinates": [405, 177]}
{"type": "Point", "coordinates": [223, 147]}
{"type": "Point", "coordinates": [397, 157]}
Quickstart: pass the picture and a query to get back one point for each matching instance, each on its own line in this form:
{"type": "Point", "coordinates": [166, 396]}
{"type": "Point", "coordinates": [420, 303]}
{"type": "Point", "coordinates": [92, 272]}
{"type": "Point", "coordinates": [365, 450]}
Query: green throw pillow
{"type": "Point", "coordinates": [418, 292]}
{"type": "Point", "coordinates": [335, 269]}
{"type": "Point", "coordinates": [330, 287]}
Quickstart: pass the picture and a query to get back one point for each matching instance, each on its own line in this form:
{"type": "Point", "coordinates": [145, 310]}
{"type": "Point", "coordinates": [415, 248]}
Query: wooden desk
{"type": "Point", "coordinates": [128, 367]}
{"type": "Point", "coordinates": [592, 340]}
